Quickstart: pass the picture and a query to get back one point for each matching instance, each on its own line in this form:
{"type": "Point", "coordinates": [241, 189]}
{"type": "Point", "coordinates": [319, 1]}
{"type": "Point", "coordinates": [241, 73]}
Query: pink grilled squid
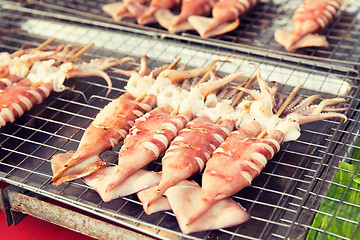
{"type": "Point", "coordinates": [183, 199]}
{"type": "Point", "coordinates": [149, 137]}
{"type": "Point", "coordinates": [309, 18]}
{"type": "Point", "coordinates": [225, 17]}
{"type": "Point", "coordinates": [19, 98]}
{"type": "Point", "coordinates": [235, 164]}
{"type": "Point", "coordinates": [188, 154]}
{"type": "Point", "coordinates": [109, 127]}
{"type": "Point", "coordinates": [22, 96]}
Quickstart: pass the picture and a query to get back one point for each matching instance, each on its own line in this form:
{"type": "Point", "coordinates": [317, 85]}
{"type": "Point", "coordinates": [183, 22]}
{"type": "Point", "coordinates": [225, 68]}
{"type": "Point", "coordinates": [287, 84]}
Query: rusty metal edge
{"type": "Point", "coordinates": [69, 219]}
{"type": "Point", "coordinates": [4, 205]}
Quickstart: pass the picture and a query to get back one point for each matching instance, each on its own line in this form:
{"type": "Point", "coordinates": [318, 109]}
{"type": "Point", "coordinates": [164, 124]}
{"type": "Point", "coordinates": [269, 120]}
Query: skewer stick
{"type": "Point", "coordinates": [175, 111]}
{"type": "Point", "coordinates": [44, 44]}
{"type": "Point", "coordinates": [240, 95]}
{"type": "Point", "coordinates": [287, 101]}
{"type": "Point", "coordinates": [282, 108]}
{"type": "Point", "coordinates": [4, 74]}
{"type": "Point", "coordinates": [139, 98]}
{"type": "Point", "coordinates": [173, 64]}
{"type": "Point", "coordinates": [78, 53]}
{"type": "Point", "coordinates": [212, 67]}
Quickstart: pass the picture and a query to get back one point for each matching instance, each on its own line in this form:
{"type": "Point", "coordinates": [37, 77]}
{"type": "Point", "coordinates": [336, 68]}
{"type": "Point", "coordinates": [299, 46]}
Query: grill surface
{"type": "Point", "coordinates": [255, 33]}
{"type": "Point", "coordinates": [281, 201]}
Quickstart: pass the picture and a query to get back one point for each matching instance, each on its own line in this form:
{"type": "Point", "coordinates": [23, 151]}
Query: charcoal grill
{"type": "Point", "coordinates": [282, 200]}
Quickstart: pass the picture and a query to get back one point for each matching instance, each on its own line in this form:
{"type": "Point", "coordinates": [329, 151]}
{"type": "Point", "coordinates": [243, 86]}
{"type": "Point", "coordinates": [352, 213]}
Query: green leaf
{"type": "Point", "coordinates": [335, 216]}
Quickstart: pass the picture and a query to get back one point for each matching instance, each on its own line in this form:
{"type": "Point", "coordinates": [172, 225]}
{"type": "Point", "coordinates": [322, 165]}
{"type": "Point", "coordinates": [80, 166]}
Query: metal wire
{"type": "Point", "coordinates": [282, 199]}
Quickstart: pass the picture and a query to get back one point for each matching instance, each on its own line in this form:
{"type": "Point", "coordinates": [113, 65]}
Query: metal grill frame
{"type": "Point", "coordinates": [320, 148]}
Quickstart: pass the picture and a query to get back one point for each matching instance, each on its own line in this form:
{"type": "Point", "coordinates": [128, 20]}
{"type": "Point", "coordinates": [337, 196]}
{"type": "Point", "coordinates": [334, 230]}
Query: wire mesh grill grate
{"type": "Point", "coordinates": [282, 200]}
{"type": "Point", "coordinates": [256, 29]}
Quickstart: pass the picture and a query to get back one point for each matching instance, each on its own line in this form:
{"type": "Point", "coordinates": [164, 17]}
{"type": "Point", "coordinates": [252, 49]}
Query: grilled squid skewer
{"type": "Point", "coordinates": [63, 165]}
{"type": "Point", "coordinates": [193, 147]}
{"type": "Point", "coordinates": [14, 68]}
{"type": "Point", "coordinates": [109, 127]}
{"type": "Point", "coordinates": [235, 164]}
{"type": "Point", "coordinates": [310, 17]}
{"type": "Point", "coordinates": [149, 137]}
{"type": "Point", "coordinates": [41, 81]}
{"type": "Point", "coordinates": [225, 17]}
{"type": "Point", "coordinates": [243, 155]}
{"type": "Point", "coordinates": [187, 155]}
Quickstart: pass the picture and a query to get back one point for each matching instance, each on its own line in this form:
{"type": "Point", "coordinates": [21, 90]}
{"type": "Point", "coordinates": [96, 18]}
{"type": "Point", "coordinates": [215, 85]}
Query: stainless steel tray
{"type": "Point", "coordinates": [281, 201]}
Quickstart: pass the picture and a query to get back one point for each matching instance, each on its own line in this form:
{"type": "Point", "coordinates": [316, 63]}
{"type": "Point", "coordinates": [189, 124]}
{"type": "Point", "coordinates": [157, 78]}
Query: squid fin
{"type": "Point", "coordinates": [136, 9]}
{"type": "Point", "coordinates": [58, 161]}
{"type": "Point", "coordinates": [165, 18]}
{"type": "Point", "coordinates": [160, 204]}
{"type": "Point", "coordinates": [181, 27]}
{"type": "Point", "coordinates": [290, 41]}
{"type": "Point", "coordinates": [206, 27]}
{"type": "Point", "coordinates": [117, 11]}
{"type": "Point", "coordinates": [138, 181]}
{"type": "Point", "coordinates": [146, 15]}
{"type": "Point", "coordinates": [311, 40]}
{"type": "Point", "coordinates": [153, 200]}
{"type": "Point", "coordinates": [183, 198]}
{"type": "Point", "coordinates": [65, 168]}
{"type": "Point", "coordinates": [284, 38]}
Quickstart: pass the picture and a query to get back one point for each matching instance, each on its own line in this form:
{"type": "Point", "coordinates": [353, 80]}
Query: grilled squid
{"type": "Point", "coordinates": [150, 136]}
{"type": "Point", "coordinates": [235, 164]}
{"type": "Point", "coordinates": [41, 81]}
{"type": "Point", "coordinates": [45, 78]}
{"type": "Point", "coordinates": [225, 17]}
{"type": "Point", "coordinates": [110, 126]}
{"type": "Point", "coordinates": [310, 17]}
{"type": "Point", "coordinates": [14, 68]}
{"type": "Point", "coordinates": [193, 147]}
{"type": "Point", "coordinates": [188, 154]}
{"type": "Point", "coordinates": [243, 155]}
{"type": "Point", "coordinates": [143, 86]}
